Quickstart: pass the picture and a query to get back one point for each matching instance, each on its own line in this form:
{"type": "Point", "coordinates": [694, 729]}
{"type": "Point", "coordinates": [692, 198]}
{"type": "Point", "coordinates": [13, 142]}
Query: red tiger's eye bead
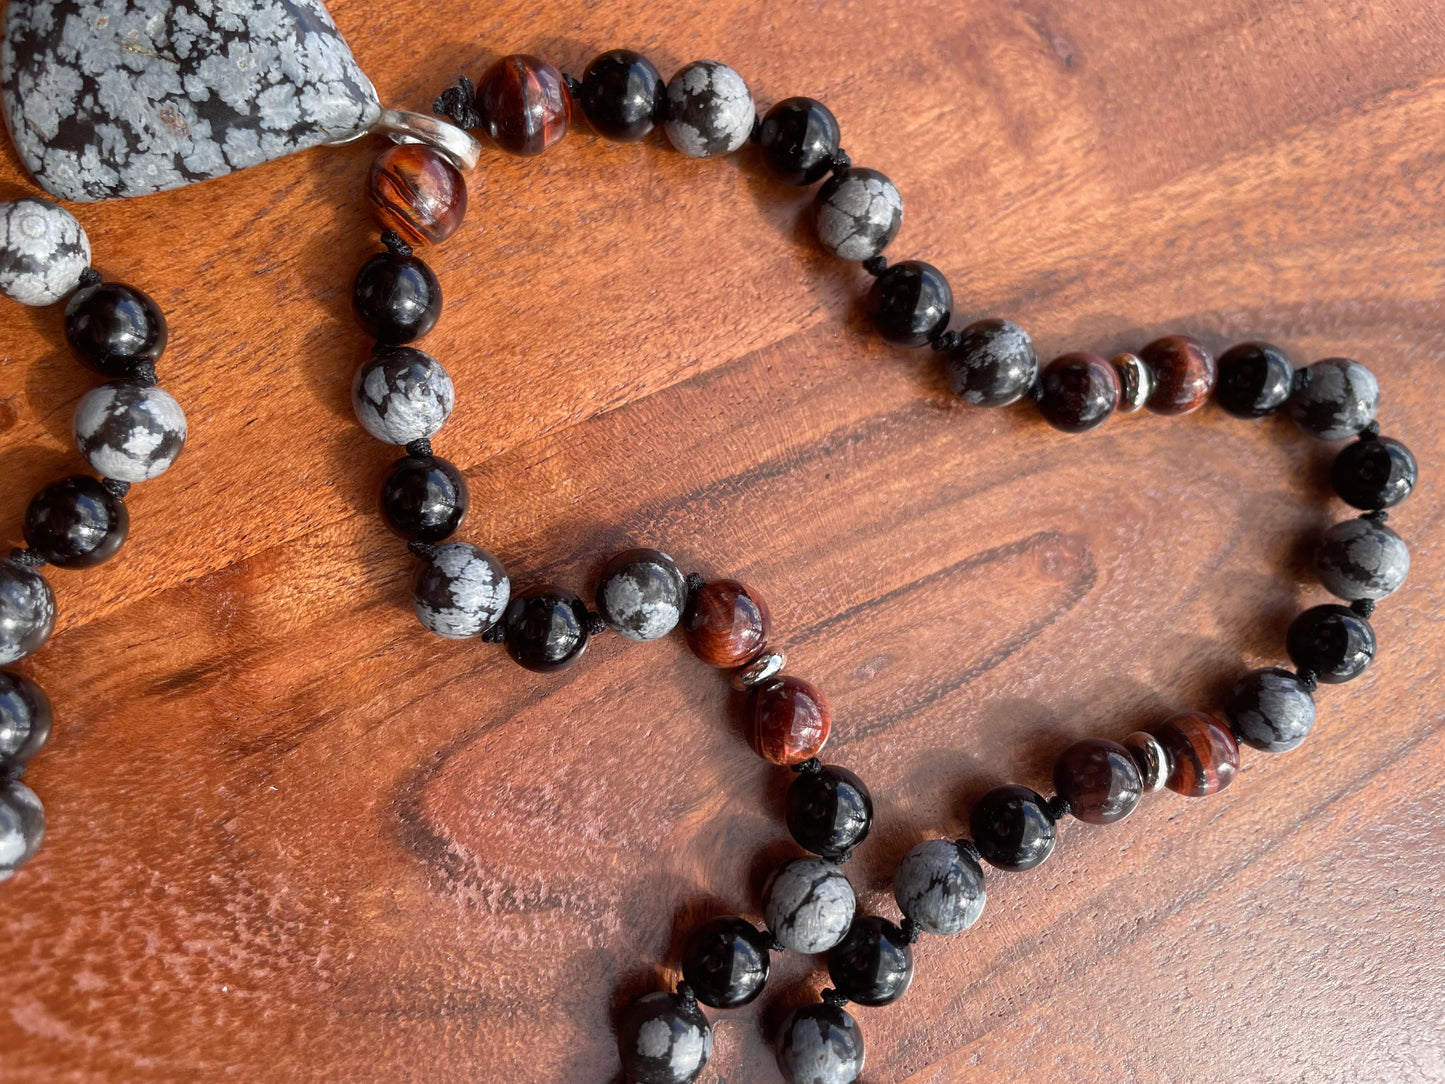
{"type": "Point", "coordinates": [791, 721]}
{"type": "Point", "coordinates": [523, 103]}
{"type": "Point", "coordinates": [1100, 780]}
{"type": "Point", "coordinates": [1202, 753]}
{"type": "Point", "coordinates": [726, 623]}
{"type": "Point", "coordinates": [1183, 371]}
{"type": "Point", "coordinates": [415, 191]}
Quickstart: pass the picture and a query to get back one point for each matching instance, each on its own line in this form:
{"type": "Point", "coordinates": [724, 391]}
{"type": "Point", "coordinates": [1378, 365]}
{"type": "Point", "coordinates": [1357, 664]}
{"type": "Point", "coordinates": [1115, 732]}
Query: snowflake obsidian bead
{"type": "Point", "coordinates": [401, 394]}
{"type": "Point", "coordinates": [709, 110]}
{"type": "Point", "coordinates": [129, 432]}
{"type": "Point", "coordinates": [462, 591]}
{"type": "Point", "coordinates": [43, 251]}
{"type": "Point", "coordinates": [858, 213]}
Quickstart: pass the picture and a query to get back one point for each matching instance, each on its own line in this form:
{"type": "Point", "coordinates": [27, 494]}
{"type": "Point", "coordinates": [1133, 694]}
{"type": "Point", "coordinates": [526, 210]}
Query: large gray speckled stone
{"type": "Point", "coordinates": [43, 251]}
{"type": "Point", "coordinates": [22, 826]}
{"type": "Point", "coordinates": [401, 394]}
{"type": "Point", "coordinates": [939, 887]}
{"type": "Point", "coordinates": [110, 98]}
{"type": "Point", "coordinates": [709, 110]}
{"type": "Point", "coordinates": [858, 213]}
{"type": "Point", "coordinates": [462, 591]}
{"type": "Point", "coordinates": [1360, 559]}
{"type": "Point", "coordinates": [809, 904]}
{"type": "Point", "coordinates": [129, 432]}
{"type": "Point", "coordinates": [27, 611]}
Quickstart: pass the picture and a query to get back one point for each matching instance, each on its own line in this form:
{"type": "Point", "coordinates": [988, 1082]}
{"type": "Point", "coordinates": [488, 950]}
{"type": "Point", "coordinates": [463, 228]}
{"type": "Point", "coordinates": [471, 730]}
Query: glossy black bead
{"type": "Point", "coordinates": [799, 137]}
{"type": "Point", "coordinates": [663, 1039]}
{"type": "Point", "coordinates": [115, 329]}
{"type": "Point", "coordinates": [424, 498]}
{"type": "Point", "coordinates": [1270, 710]}
{"type": "Point", "coordinates": [873, 965]}
{"type": "Point", "coordinates": [622, 94]}
{"type": "Point", "coordinates": [1012, 827]}
{"type": "Point", "coordinates": [76, 522]}
{"type": "Point", "coordinates": [25, 719]}
{"type": "Point", "coordinates": [546, 628]}
{"type": "Point", "coordinates": [1254, 379]}
{"type": "Point", "coordinates": [993, 363]}
{"type": "Point", "coordinates": [1332, 642]}
{"type": "Point", "coordinates": [1371, 474]}
{"type": "Point", "coordinates": [725, 961]}
{"type": "Point", "coordinates": [397, 299]}
{"type": "Point", "coordinates": [910, 302]}
{"type": "Point", "coordinates": [829, 812]}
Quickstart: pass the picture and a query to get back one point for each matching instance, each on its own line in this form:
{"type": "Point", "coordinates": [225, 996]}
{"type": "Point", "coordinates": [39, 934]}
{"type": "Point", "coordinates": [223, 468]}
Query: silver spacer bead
{"type": "Point", "coordinates": [1149, 755]}
{"type": "Point", "coordinates": [760, 671]}
{"type": "Point", "coordinates": [1136, 382]}
{"type": "Point", "coordinates": [458, 145]}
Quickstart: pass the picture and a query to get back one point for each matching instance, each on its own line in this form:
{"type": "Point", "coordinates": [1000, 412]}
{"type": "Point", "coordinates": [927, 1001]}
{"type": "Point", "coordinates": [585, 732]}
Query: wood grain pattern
{"type": "Point", "coordinates": [292, 836]}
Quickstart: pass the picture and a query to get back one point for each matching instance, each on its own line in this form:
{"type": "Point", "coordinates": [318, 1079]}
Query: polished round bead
{"type": "Point", "coordinates": [76, 522]}
{"type": "Point", "coordinates": [1371, 474]}
{"type": "Point", "coordinates": [993, 364]}
{"type": "Point", "coordinates": [791, 721]}
{"type": "Point", "coordinates": [1136, 382]}
{"type": "Point", "coordinates": [760, 671]}
{"type": "Point", "coordinates": [1360, 559]}
{"type": "Point", "coordinates": [663, 1039]}
{"type": "Point", "coordinates": [424, 498]}
{"type": "Point", "coordinates": [25, 719]}
{"type": "Point", "coordinates": [1255, 379]}
{"type": "Point", "coordinates": [397, 299]}
{"type": "Point", "coordinates": [1203, 755]}
{"type": "Point", "coordinates": [22, 826]}
{"type": "Point", "coordinates": [910, 302]}
{"type": "Point", "coordinates": [726, 623]}
{"type": "Point", "coordinates": [857, 213]}
{"type": "Point", "coordinates": [1077, 392]}
{"type": "Point", "coordinates": [1334, 399]}
{"type": "Point", "coordinates": [709, 110]}
{"type": "Point", "coordinates": [43, 251]}
{"type": "Point", "coordinates": [808, 905]}
{"type": "Point", "coordinates": [1012, 827]}
{"type": "Point", "coordinates": [1183, 373]}
{"type": "Point", "coordinates": [1332, 642]}
{"type": "Point", "coordinates": [416, 191]}
{"type": "Point", "coordinates": [546, 628]}
{"type": "Point", "coordinates": [27, 611]}
{"type": "Point", "coordinates": [725, 961]}
{"type": "Point", "coordinates": [129, 432]}
{"type": "Point", "coordinates": [873, 965]}
{"type": "Point", "coordinates": [939, 888]}
{"type": "Point", "coordinates": [523, 103]}
{"type": "Point", "coordinates": [641, 594]}
{"type": "Point", "coordinates": [1270, 710]}
{"type": "Point", "coordinates": [1151, 760]}
{"type": "Point", "coordinates": [461, 591]}
{"type": "Point", "coordinates": [798, 138]}
{"type": "Point", "coordinates": [820, 1044]}
{"type": "Point", "coordinates": [115, 329]}
{"type": "Point", "coordinates": [401, 394]}
{"type": "Point", "coordinates": [622, 95]}
{"type": "Point", "coordinates": [1099, 779]}
{"type": "Point", "coordinates": [829, 811]}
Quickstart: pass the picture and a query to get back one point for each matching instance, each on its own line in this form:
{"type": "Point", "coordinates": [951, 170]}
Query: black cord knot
{"type": "Point", "coordinates": [495, 634]}
{"type": "Point", "coordinates": [394, 244]}
{"type": "Point", "coordinates": [1379, 517]}
{"type": "Point", "coordinates": [458, 103]}
{"type": "Point", "coordinates": [11, 772]}
{"type": "Point", "coordinates": [969, 849]}
{"type": "Point", "coordinates": [945, 341]}
{"type": "Point", "coordinates": [695, 583]}
{"type": "Point", "coordinates": [596, 624]}
{"type": "Point", "coordinates": [685, 995]}
{"type": "Point", "coordinates": [875, 265]}
{"type": "Point", "coordinates": [911, 932]}
{"type": "Point", "coordinates": [1058, 807]}
{"type": "Point", "coordinates": [811, 766]}
{"type": "Point", "coordinates": [1370, 432]}
{"type": "Point", "coordinates": [425, 550]}
{"type": "Point", "coordinates": [1365, 607]}
{"type": "Point", "coordinates": [840, 163]}
{"type": "Point", "coordinates": [774, 945]}
{"type": "Point", "coordinates": [144, 374]}
{"type": "Point", "coordinates": [1309, 679]}
{"type": "Point", "coordinates": [420, 449]}
{"type": "Point", "coordinates": [27, 557]}
{"type": "Point", "coordinates": [89, 277]}
{"type": "Point", "coordinates": [834, 998]}
{"type": "Point", "coordinates": [574, 86]}
{"type": "Point", "coordinates": [115, 487]}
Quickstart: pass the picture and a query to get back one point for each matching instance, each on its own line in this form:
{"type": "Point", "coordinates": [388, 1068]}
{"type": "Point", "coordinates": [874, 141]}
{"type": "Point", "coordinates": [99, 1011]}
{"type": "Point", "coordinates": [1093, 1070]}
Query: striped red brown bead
{"type": "Point", "coordinates": [524, 104]}
{"type": "Point", "coordinates": [726, 623]}
{"type": "Point", "coordinates": [1183, 371]}
{"type": "Point", "coordinates": [791, 721]}
{"type": "Point", "coordinates": [417, 192]}
{"type": "Point", "coordinates": [1203, 754]}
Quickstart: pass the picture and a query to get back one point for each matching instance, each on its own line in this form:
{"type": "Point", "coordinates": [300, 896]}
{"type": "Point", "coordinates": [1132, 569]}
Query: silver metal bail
{"type": "Point", "coordinates": [460, 148]}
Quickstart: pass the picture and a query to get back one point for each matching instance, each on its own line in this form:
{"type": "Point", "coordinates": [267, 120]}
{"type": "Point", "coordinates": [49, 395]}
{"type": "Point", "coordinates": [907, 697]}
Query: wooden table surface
{"type": "Point", "coordinates": [292, 836]}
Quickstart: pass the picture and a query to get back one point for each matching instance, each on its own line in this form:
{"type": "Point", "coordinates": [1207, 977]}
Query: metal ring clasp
{"type": "Point", "coordinates": [402, 127]}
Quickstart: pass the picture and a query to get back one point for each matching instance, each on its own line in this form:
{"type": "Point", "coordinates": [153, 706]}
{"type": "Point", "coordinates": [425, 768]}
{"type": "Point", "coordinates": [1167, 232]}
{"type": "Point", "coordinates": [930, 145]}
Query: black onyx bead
{"type": "Point", "coordinates": [1012, 827]}
{"type": "Point", "coordinates": [1371, 474]}
{"type": "Point", "coordinates": [76, 522]}
{"type": "Point", "coordinates": [725, 961]}
{"type": "Point", "coordinates": [1332, 642]}
{"type": "Point", "coordinates": [829, 812]}
{"type": "Point", "coordinates": [663, 1039]}
{"type": "Point", "coordinates": [424, 498]}
{"type": "Point", "coordinates": [25, 719]}
{"type": "Point", "coordinates": [546, 628]}
{"type": "Point", "coordinates": [115, 329]}
{"type": "Point", "coordinates": [799, 137]}
{"type": "Point", "coordinates": [1255, 379]}
{"type": "Point", "coordinates": [397, 299]}
{"type": "Point", "coordinates": [993, 364]}
{"type": "Point", "coordinates": [910, 302]}
{"type": "Point", "coordinates": [873, 965]}
{"type": "Point", "coordinates": [621, 95]}
{"type": "Point", "coordinates": [1270, 710]}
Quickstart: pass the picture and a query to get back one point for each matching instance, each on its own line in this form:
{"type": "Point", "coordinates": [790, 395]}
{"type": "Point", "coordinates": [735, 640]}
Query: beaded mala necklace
{"type": "Point", "coordinates": [129, 430]}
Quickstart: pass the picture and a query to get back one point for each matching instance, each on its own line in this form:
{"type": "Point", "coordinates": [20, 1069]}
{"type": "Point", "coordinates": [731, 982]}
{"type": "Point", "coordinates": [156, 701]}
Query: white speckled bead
{"type": "Point", "coordinates": [461, 592]}
{"type": "Point", "coordinates": [808, 905]}
{"type": "Point", "coordinates": [939, 887]}
{"type": "Point", "coordinates": [22, 826]}
{"type": "Point", "coordinates": [641, 594]}
{"type": "Point", "coordinates": [709, 110]}
{"type": "Point", "coordinates": [858, 213]}
{"type": "Point", "coordinates": [129, 432]}
{"type": "Point", "coordinates": [27, 611]}
{"type": "Point", "coordinates": [43, 251]}
{"type": "Point", "coordinates": [401, 394]}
